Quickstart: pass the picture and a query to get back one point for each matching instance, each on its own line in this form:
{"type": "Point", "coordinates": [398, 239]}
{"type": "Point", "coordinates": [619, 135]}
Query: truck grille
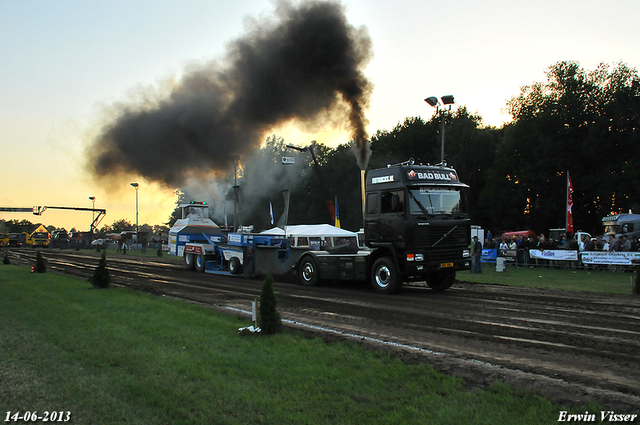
{"type": "Point", "coordinates": [443, 255]}
{"type": "Point", "coordinates": [426, 236]}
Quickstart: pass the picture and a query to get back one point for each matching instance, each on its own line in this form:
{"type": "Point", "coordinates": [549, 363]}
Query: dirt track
{"type": "Point", "coordinates": [572, 347]}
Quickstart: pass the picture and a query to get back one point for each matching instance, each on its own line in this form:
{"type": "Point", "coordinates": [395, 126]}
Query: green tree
{"type": "Point", "coordinates": [40, 264]}
{"type": "Point", "coordinates": [122, 225]}
{"type": "Point", "coordinates": [270, 322]}
{"type": "Point", "coordinates": [101, 278]}
{"type": "Point", "coordinates": [584, 122]}
{"type": "Point", "coordinates": [15, 226]}
{"type": "Point", "coordinates": [104, 230]}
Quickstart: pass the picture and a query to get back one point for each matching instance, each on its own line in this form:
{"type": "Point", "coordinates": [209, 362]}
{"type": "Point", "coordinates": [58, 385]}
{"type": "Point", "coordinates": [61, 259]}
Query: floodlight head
{"type": "Point", "coordinates": [93, 198]}
{"type": "Point", "coordinates": [448, 100]}
{"type": "Point", "coordinates": [433, 101]}
{"type": "Point", "coordinates": [297, 148]}
{"type": "Point", "coordinates": [134, 184]}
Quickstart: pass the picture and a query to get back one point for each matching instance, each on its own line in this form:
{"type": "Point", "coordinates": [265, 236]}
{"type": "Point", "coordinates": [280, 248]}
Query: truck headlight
{"type": "Point", "coordinates": [466, 253]}
{"type": "Point", "coordinates": [419, 257]}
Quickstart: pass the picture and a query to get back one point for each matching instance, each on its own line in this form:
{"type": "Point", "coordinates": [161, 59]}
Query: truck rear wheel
{"type": "Point", "coordinates": [308, 272]}
{"type": "Point", "coordinates": [384, 276]}
{"type": "Point", "coordinates": [441, 281]}
{"type": "Point", "coordinates": [234, 265]}
{"type": "Point", "coordinates": [189, 264]}
{"type": "Point", "coordinates": [200, 263]}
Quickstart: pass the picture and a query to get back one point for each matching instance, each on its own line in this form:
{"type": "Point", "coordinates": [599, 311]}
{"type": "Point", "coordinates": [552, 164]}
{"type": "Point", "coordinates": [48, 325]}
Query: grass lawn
{"type": "Point", "coordinates": [604, 281]}
{"type": "Point", "coordinates": [115, 356]}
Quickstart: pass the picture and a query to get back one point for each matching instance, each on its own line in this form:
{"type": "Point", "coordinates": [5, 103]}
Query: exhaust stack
{"type": "Point", "coordinates": [362, 177]}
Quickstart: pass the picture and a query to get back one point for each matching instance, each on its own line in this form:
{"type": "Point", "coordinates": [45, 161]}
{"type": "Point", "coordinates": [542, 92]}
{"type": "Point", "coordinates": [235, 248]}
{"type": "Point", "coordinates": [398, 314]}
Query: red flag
{"type": "Point", "coordinates": [331, 208]}
{"type": "Point", "coordinates": [569, 204]}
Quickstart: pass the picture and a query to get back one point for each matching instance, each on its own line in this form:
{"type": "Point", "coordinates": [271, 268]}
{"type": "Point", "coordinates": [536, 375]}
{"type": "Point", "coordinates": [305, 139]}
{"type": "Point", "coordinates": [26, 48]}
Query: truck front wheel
{"type": "Point", "coordinates": [384, 276]}
{"type": "Point", "coordinates": [308, 272]}
{"type": "Point", "coordinates": [441, 281]}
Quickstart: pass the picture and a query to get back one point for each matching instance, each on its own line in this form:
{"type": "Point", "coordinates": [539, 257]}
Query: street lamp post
{"type": "Point", "coordinates": [446, 100]}
{"type": "Point", "coordinates": [93, 213]}
{"type": "Point", "coordinates": [135, 186]}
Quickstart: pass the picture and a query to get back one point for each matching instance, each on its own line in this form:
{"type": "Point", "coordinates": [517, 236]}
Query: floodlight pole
{"type": "Point", "coordinates": [93, 206]}
{"type": "Point", "coordinates": [433, 101]}
{"type": "Point", "coordinates": [442, 131]}
{"type": "Point", "coordinates": [136, 186]}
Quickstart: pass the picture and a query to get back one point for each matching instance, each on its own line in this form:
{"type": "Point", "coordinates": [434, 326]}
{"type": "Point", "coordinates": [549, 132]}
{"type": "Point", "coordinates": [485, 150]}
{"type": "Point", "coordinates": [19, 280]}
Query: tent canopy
{"type": "Point", "coordinates": [311, 230]}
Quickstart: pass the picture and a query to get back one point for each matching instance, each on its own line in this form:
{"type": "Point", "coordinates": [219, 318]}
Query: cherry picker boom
{"type": "Point", "coordinates": [94, 225]}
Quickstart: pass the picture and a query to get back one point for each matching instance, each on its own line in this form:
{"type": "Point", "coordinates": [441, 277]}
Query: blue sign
{"type": "Point", "coordinates": [489, 255]}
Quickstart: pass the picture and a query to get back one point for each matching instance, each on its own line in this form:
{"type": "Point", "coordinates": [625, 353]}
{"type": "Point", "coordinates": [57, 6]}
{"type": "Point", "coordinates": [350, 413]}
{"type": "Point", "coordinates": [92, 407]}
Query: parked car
{"type": "Point", "coordinates": [98, 242]}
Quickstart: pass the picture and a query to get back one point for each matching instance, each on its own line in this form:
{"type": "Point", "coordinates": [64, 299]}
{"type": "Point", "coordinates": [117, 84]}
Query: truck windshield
{"type": "Point", "coordinates": [435, 200]}
{"type": "Point", "coordinates": [612, 229]}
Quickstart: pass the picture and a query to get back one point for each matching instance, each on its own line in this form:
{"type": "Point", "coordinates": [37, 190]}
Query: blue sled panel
{"type": "Point", "coordinates": [221, 273]}
{"type": "Point", "coordinates": [213, 267]}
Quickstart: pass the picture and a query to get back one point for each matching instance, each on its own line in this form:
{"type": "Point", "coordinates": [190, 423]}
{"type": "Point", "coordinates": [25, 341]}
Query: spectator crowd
{"type": "Point", "coordinates": [519, 246]}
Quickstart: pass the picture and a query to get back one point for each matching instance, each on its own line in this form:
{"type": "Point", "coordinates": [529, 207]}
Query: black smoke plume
{"type": "Point", "coordinates": [304, 65]}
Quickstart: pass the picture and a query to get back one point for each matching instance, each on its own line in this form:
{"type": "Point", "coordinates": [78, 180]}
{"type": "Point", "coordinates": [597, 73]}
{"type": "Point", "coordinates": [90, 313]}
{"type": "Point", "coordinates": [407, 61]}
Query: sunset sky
{"type": "Point", "coordinates": [65, 65]}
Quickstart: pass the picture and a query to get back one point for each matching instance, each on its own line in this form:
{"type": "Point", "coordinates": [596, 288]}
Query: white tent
{"type": "Point", "coordinates": [310, 230]}
{"type": "Point", "coordinates": [306, 234]}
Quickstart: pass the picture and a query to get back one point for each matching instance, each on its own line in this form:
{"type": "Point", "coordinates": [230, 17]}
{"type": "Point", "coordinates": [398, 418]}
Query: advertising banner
{"type": "Point", "coordinates": [556, 255]}
{"type": "Point", "coordinates": [616, 258]}
{"type": "Point", "coordinates": [489, 255]}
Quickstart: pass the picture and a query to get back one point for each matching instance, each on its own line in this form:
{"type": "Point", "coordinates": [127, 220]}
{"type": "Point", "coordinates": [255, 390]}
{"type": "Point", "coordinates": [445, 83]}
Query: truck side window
{"type": "Point", "coordinates": [372, 203]}
{"type": "Point", "coordinates": [392, 201]}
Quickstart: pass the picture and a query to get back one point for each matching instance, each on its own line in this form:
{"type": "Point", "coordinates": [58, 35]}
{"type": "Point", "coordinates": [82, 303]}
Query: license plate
{"type": "Point", "coordinates": [445, 265]}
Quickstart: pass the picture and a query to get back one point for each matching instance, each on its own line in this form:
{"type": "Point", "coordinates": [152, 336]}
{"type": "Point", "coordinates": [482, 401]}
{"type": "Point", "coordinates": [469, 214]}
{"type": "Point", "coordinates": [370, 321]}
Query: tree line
{"type": "Point", "coordinates": [583, 122]}
{"type": "Point", "coordinates": [118, 226]}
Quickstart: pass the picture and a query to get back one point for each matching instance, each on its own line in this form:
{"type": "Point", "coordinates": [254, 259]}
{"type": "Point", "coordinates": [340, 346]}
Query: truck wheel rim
{"type": "Point", "coordinates": [307, 272]}
{"type": "Point", "coordinates": [382, 276]}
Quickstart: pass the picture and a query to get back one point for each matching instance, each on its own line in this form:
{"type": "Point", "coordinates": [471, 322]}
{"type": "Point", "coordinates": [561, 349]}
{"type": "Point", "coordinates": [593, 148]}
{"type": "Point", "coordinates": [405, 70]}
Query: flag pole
{"type": "Point", "coordinates": [566, 210]}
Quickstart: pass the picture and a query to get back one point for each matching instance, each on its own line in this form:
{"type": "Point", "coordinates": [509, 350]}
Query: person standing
{"type": "Point", "coordinates": [477, 253]}
{"type": "Point", "coordinates": [472, 246]}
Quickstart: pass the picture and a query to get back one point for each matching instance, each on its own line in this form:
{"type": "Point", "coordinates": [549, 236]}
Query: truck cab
{"type": "Point", "coordinates": [194, 236]}
{"type": "Point", "coordinates": [621, 225]}
{"type": "Point", "coordinates": [39, 239]}
{"type": "Point", "coordinates": [416, 215]}
{"type": "Point", "coordinates": [415, 229]}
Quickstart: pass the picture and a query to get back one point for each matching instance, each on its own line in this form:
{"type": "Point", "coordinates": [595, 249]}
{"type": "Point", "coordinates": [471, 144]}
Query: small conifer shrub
{"type": "Point", "coordinates": [41, 267]}
{"type": "Point", "coordinates": [270, 322]}
{"type": "Point", "coordinates": [101, 278]}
